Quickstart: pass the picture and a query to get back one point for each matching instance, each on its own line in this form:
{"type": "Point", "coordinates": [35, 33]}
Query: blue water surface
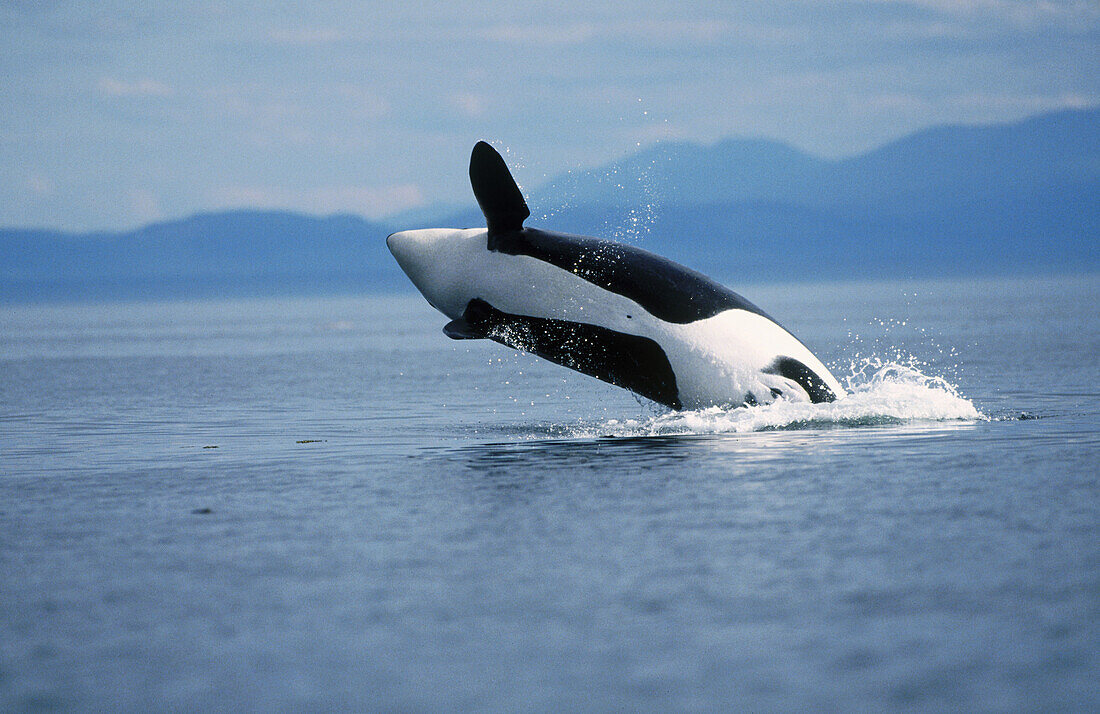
{"type": "Point", "coordinates": [321, 504]}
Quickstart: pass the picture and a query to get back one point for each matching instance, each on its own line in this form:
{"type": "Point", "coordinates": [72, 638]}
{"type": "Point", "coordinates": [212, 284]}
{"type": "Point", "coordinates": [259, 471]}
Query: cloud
{"type": "Point", "coordinates": [360, 99]}
{"type": "Point", "coordinates": [275, 107]}
{"type": "Point", "coordinates": [470, 104]}
{"type": "Point", "coordinates": [572, 34]}
{"type": "Point", "coordinates": [39, 185]}
{"type": "Point", "coordinates": [253, 102]}
{"type": "Point", "coordinates": [139, 88]}
{"type": "Point", "coordinates": [307, 36]}
{"type": "Point", "coordinates": [369, 201]}
{"type": "Point", "coordinates": [578, 33]}
{"type": "Point", "coordinates": [1027, 16]}
{"type": "Point", "coordinates": [984, 106]}
{"type": "Point", "coordinates": [989, 103]}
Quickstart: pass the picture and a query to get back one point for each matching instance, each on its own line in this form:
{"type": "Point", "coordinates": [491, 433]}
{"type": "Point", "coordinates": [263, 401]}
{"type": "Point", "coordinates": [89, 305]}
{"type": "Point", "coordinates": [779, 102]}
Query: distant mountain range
{"type": "Point", "coordinates": [1020, 198]}
{"type": "Point", "coordinates": [233, 253]}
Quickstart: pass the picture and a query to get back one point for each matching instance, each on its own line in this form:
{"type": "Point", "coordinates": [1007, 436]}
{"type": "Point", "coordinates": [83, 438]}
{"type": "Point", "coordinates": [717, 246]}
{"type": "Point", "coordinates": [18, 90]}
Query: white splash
{"type": "Point", "coordinates": [879, 393]}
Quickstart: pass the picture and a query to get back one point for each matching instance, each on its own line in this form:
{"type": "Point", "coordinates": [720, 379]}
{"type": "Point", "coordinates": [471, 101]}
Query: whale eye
{"type": "Point", "coordinates": [629, 317]}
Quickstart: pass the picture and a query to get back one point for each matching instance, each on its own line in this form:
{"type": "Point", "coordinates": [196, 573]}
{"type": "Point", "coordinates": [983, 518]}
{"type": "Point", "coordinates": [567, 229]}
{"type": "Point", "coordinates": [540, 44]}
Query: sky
{"type": "Point", "coordinates": [117, 114]}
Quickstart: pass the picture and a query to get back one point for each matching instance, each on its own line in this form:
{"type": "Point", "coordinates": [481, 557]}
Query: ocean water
{"type": "Point", "coordinates": [321, 504]}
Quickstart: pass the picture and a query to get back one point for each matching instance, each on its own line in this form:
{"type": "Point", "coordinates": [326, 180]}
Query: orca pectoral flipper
{"type": "Point", "coordinates": [462, 330]}
{"type": "Point", "coordinates": [629, 361]}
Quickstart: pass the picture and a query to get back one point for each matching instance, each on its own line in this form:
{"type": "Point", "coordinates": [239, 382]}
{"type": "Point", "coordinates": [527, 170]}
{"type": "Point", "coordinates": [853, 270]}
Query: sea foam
{"type": "Point", "coordinates": [878, 393]}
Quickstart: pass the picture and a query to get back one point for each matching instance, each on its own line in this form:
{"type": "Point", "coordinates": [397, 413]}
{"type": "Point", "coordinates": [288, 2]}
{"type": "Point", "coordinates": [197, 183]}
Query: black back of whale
{"type": "Point", "coordinates": [665, 289]}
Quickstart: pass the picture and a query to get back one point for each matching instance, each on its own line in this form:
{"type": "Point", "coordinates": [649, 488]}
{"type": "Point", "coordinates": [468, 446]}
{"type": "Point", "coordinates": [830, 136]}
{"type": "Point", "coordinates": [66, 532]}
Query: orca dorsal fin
{"type": "Point", "coordinates": [496, 191]}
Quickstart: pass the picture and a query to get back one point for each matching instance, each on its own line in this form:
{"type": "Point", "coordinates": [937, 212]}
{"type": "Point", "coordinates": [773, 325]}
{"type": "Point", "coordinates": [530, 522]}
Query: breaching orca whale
{"type": "Point", "coordinates": [612, 311]}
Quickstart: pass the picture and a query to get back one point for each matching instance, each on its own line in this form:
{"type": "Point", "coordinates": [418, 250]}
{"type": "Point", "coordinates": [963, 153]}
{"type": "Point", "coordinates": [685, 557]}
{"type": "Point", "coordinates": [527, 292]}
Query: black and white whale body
{"type": "Point", "coordinates": [612, 311]}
